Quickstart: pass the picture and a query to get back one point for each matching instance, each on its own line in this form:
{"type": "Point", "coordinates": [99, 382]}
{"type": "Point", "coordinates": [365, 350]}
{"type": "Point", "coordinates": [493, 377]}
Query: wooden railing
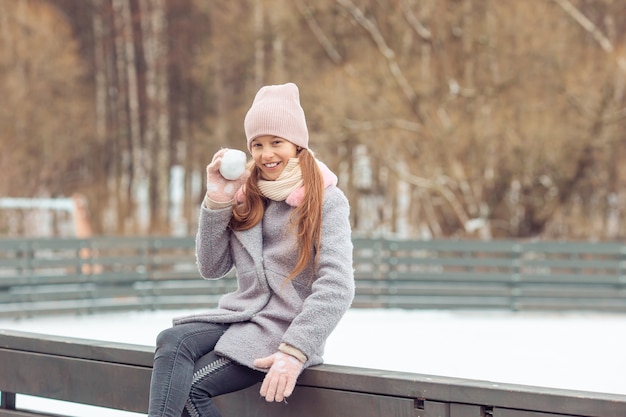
{"type": "Point", "coordinates": [504, 274]}
{"type": "Point", "coordinates": [57, 276]}
{"type": "Point", "coordinates": [117, 376]}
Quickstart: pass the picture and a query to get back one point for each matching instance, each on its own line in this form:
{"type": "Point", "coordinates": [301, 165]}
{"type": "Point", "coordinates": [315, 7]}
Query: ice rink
{"type": "Point", "coordinates": [581, 351]}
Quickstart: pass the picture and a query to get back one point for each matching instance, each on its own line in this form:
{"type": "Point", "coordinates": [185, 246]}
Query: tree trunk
{"type": "Point", "coordinates": [156, 132]}
{"type": "Point", "coordinates": [259, 46]}
{"type": "Point", "coordinates": [138, 182]}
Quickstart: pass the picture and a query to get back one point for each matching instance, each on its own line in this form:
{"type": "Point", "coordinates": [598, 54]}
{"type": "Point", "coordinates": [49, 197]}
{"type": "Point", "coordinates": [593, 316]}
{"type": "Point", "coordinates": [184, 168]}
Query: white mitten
{"type": "Point", "coordinates": [281, 378]}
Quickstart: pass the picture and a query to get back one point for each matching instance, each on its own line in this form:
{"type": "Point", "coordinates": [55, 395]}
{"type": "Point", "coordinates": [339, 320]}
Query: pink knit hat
{"type": "Point", "coordinates": [276, 111]}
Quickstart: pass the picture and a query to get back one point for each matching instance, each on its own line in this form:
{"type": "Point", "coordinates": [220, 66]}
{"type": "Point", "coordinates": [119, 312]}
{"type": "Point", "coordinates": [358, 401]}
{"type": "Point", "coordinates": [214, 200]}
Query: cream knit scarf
{"type": "Point", "coordinates": [288, 181]}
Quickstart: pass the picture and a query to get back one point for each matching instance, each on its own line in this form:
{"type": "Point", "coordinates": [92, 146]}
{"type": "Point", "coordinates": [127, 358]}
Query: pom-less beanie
{"type": "Point", "coordinates": [276, 111]}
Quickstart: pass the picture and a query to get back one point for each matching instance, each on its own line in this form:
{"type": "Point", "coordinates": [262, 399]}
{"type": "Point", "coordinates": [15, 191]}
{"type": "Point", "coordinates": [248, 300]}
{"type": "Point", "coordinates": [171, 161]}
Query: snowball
{"type": "Point", "coordinates": [233, 164]}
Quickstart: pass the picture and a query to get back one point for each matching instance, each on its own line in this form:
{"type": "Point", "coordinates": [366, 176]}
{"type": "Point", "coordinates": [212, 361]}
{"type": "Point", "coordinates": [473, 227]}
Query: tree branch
{"type": "Point", "coordinates": [386, 52]}
{"type": "Point", "coordinates": [331, 51]}
{"type": "Point", "coordinates": [604, 42]}
{"type": "Point", "coordinates": [414, 22]}
{"type": "Point", "coordinates": [383, 124]}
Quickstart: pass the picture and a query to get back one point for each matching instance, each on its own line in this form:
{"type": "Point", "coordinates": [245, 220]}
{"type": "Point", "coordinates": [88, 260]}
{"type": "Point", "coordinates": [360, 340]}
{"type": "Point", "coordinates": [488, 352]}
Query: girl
{"type": "Point", "coordinates": [284, 226]}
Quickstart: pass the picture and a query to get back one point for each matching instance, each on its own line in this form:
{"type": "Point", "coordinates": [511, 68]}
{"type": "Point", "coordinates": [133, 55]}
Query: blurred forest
{"type": "Point", "coordinates": [442, 118]}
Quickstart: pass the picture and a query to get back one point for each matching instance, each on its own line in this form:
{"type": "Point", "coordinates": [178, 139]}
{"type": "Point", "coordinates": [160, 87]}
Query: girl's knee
{"type": "Point", "coordinates": [171, 337]}
{"type": "Point", "coordinates": [196, 337]}
{"type": "Point", "coordinates": [165, 337]}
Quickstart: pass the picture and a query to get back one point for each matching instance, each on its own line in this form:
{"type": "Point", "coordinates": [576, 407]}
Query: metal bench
{"type": "Point", "coordinates": [117, 376]}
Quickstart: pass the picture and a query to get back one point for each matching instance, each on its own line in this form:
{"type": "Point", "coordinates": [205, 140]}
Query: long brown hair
{"type": "Point", "coordinates": [306, 219]}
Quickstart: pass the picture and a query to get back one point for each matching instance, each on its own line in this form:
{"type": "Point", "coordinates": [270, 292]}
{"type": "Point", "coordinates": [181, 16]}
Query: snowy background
{"type": "Point", "coordinates": [581, 351]}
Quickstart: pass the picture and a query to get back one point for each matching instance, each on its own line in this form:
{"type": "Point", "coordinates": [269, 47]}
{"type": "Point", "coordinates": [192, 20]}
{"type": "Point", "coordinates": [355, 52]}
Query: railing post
{"type": "Point", "coordinates": [7, 400]}
{"type": "Point", "coordinates": [154, 247]}
{"type": "Point", "coordinates": [29, 254]}
{"type": "Point", "coordinates": [622, 267]}
{"type": "Point", "coordinates": [516, 274]}
{"type": "Point", "coordinates": [380, 260]}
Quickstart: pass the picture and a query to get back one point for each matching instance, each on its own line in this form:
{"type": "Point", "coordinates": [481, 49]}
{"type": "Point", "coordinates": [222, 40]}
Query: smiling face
{"type": "Point", "coordinates": [271, 155]}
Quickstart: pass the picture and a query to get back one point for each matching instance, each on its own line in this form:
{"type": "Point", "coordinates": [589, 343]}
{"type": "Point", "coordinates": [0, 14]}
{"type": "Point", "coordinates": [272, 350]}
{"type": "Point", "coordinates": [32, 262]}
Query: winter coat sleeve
{"type": "Point", "coordinates": [213, 254]}
{"type": "Point", "coordinates": [333, 285]}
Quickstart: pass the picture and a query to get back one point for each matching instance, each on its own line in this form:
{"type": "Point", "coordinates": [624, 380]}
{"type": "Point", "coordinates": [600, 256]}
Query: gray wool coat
{"type": "Point", "coordinates": [265, 311]}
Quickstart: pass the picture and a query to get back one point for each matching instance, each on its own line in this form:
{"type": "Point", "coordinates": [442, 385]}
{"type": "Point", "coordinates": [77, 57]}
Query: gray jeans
{"type": "Point", "coordinates": [187, 373]}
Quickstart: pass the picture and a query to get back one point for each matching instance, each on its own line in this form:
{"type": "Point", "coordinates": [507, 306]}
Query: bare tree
{"type": "Point", "coordinates": [443, 118]}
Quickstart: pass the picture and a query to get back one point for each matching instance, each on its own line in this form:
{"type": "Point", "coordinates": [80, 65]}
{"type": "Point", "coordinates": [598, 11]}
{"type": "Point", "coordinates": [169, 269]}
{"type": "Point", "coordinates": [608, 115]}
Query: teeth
{"type": "Point", "coordinates": [272, 165]}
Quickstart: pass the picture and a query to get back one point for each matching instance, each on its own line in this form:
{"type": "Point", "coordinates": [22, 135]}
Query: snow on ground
{"type": "Point", "coordinates": [580, 351]}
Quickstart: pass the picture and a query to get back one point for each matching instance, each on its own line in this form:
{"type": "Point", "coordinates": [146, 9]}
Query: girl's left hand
{"type": "Point", "coordinates": [281, 378]}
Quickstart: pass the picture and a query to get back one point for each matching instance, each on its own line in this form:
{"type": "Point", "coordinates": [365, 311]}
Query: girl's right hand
{"type": "Point", "coordinates": [219, 189]}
